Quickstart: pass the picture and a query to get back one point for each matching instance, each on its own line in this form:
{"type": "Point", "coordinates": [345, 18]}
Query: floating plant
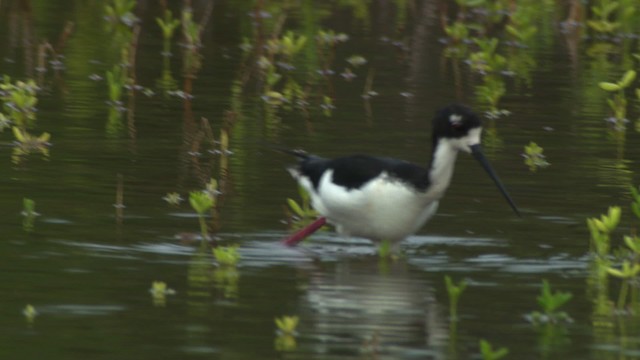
{"type": "Point", "coordinates": [550, 302]}
{"type": "Point", "coordinates": [19, 102]}
{"type": "Point", "coordinates": [26, 143]}
{"type": "Point", "coordinates": [488, 353]}
{"type": "Point", "coordinates": [601, 229]}
{"type": "Point", "coordinates": [618, 101]}
{"type": "Point", "coordinates": [287, 324]}
{"type": "Point", "coordinates": [454, 291]}
{"type": "Point", "coordinates": [30, 313]}
{"type": "Point", "coordinates": [533, 157]}
{"type": "Point", "coordinates": [121, 11]}
{"type": "Point", "coordinates": [29, 213]}
{"type": "Point", "coordinates": [226, 255]}
{"type": "Point", "coordinates": [286, 332]}
{"type": "Point", "coordinates": [201, 202]}
{"type": "Point", "coordinates": [627, 272]}
{"type": "Point", "coordinates": [159, 291]}
{"type": "Point", "coordinates": [173, 198]}
{"type": "Point", "coordinates": [168, 26]}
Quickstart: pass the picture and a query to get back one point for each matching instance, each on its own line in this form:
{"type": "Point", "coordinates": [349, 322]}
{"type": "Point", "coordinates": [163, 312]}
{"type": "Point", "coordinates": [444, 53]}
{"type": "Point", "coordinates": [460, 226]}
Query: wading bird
{"type": "Point", "coordinates": [386, 199]}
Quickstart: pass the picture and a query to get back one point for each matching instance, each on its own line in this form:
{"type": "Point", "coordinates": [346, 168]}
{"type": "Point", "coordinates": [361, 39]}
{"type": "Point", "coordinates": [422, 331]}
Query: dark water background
{"type": "Point", "coordinates": [88, 271]}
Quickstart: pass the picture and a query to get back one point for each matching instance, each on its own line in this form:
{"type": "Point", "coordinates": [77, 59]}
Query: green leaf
{"type": "Point", "coordinates": [607, 86]}
{"type": "Point", "coordinates": [627, 79]}
{"type": "Point", "coordinates": [295, 207]}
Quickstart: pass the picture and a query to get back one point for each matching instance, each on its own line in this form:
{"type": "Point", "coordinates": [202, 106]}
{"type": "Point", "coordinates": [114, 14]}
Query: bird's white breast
{"type": "Point", "coordinates": [382, 209]}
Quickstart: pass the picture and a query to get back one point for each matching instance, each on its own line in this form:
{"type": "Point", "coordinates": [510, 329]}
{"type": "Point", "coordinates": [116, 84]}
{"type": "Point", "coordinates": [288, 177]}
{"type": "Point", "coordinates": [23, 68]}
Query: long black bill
{"type": "Point", "coordinates": [476, 150]}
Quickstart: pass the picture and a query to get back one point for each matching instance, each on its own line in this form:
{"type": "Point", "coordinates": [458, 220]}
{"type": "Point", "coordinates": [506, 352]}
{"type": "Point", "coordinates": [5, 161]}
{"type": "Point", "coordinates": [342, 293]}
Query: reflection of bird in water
{"type": "Point", "coordinates": [361, 308]}
{"type": "Point", "coordinates": [385, 199]}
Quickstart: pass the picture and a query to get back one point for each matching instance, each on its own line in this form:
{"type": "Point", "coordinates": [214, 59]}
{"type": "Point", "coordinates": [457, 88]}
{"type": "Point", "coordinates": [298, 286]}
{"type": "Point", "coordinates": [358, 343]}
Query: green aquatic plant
{"type": "Point", "coordinates": [533, 157]}
{"type": "Point", "coordinates": [635, 203]}
{"type": "Point", "coordinates": [201, 202]}
{"type": "Point", "coordinates": [488, 353]}
{"type": "Point", "coordinates": [550, 302]}
{"type": "Point", "coordinates": [385, 249]}
{"type": "Point", "coordinates": [454, 291]}
{"type": "Point", "coordinates": [121, 11]}
{"type": "Point", "coordinates": [618, 102]}
{"type": "Point", "coordinates": [490, 92]}
{"type": "Point", "coordinates": [190, 29]}
{"type": "Point", "coordinates": [30, 313]}
{"type": "Point", "coordinates": [173, 198]}
{"type": "Point", "coordinates": [226, 279]}
{"type": "Point", "coordinates": [226, 255]}
{"type": "Point", "coordinates": [159, 291]}
{"type": "Point", "coordinates": [26, 143]}
{"type": "Point", "coordinates": [486, 59]}
{"type": "Point", "coordinates": [627, 273]}
{"type": "Point", "coordinates": [457, 32]}
{"type": "Point", "coordinates": [604, 10]}
{"type": "Point", "coordinates": [303, 213]}
{"type": "Point", "coordinates": [168, 25]}
{"type": "Point", "coordinates": [29, 213]}
{"type": "Point", "coordinates": [116, 80]}
{"type": "Point", "coordinates": [601, 229]}
{"type": "Point", "coordinates": [19, 101]}
{"type": "Point", "coordinates": [287, 324]}
{"type": "Point", "coordinates": [286, 332]}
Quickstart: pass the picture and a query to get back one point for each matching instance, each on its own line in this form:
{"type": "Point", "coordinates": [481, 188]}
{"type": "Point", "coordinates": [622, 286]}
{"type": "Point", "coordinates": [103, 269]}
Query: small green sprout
{"type": "Point", "coordinates": [30, 313]}
{"type": "Point", "coordinates": [303, 213]}
{"type": "Point", "coordinates": [385, 249]}
{"type": "Point", "coordinates": [201, 202]}
{"type": "Point", "coordinates": [121, 11]}
{"type": "Point", "coordinates": [285, 342]}
{"type": "Point", "coordinates": [627, 273]}
{"type": "Point", "coordinates": [454, 291]}
{"type": "Point", "coordinates": [327, 106]}
{"type": "Point", "coordinates": [290, 44]}
{"type": "Point", "coordinates": [19, 102]}
{"type": "Point", "coordinates": [633, 243]}
{"type": "Point", "coordinates": [190, 29]}
{"type": "Point", "coordinates": [173, 198]}
{"type": "Point", "coordinates": [29, 213]}
{"type": "Point", "coordinates": [488, 353]}
{"type": "Point", "coordinates": [116, 80]}
{"type": "Point", "coordinates": [635, 203]}
{"type": "Point", "coordinates": [618, 102]}
{"type": "Point", "coordinates": [550, 302]}
{"type": "Point", "coordinates": [457, 31]}
{"type": "Point", "coordinates": [226, 255]}
{"type": "Point", "coordinates": [601, 229]}
{"type": "Point", "coordinates": [533, 157]}
{"type": "Point", "coordinates": [168, 24]}
{"type": "Point", "coordinates": [287, 324]}
{"type": "Point", "coordinates": [159, 292]}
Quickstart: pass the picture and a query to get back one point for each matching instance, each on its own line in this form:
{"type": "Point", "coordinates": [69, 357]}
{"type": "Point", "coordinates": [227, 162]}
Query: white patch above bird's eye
{"type": "Point", "coordinates": [455, 119]}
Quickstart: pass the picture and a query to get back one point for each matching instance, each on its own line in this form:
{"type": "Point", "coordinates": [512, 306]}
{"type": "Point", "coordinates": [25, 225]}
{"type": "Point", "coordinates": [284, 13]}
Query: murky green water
{"type": "Point", "coordinates": [87, 266]}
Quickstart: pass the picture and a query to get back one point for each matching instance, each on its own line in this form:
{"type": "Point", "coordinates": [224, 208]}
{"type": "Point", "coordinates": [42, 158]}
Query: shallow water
{"type": "Point", "coordinates": [87, 266]}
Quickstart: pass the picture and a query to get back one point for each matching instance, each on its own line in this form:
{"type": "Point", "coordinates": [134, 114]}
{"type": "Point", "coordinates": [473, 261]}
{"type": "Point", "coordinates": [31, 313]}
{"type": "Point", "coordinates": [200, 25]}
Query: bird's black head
{"type": "Point", "coordinates": [457, 123]}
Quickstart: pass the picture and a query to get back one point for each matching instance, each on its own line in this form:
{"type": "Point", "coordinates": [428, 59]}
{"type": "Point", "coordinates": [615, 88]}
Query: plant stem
{"type": "Point", "coordinates": [624, 289]}
{"type": "Point", "coordinates": [203, 227]}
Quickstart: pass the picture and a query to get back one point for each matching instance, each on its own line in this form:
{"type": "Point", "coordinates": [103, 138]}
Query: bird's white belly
{"type": "Point", "coordinates": [383, 209]}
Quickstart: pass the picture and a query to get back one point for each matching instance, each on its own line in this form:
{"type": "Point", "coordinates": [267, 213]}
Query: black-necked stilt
{"type": "Point", "coordinates": [385, 199]}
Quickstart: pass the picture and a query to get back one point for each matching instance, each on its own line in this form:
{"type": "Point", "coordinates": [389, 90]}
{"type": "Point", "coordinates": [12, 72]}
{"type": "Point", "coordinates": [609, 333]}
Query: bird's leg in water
{"type": "Point", "coordinates": [298, 236]}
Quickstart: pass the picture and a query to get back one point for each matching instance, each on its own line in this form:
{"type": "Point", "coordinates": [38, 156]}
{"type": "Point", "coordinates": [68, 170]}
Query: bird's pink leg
{"type": "Point", "coordinates": [294, 239]}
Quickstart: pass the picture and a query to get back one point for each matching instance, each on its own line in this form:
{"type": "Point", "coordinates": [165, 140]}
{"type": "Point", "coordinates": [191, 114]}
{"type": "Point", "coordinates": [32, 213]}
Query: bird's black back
{"type": "Point", "coordinates": [354, 171]}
